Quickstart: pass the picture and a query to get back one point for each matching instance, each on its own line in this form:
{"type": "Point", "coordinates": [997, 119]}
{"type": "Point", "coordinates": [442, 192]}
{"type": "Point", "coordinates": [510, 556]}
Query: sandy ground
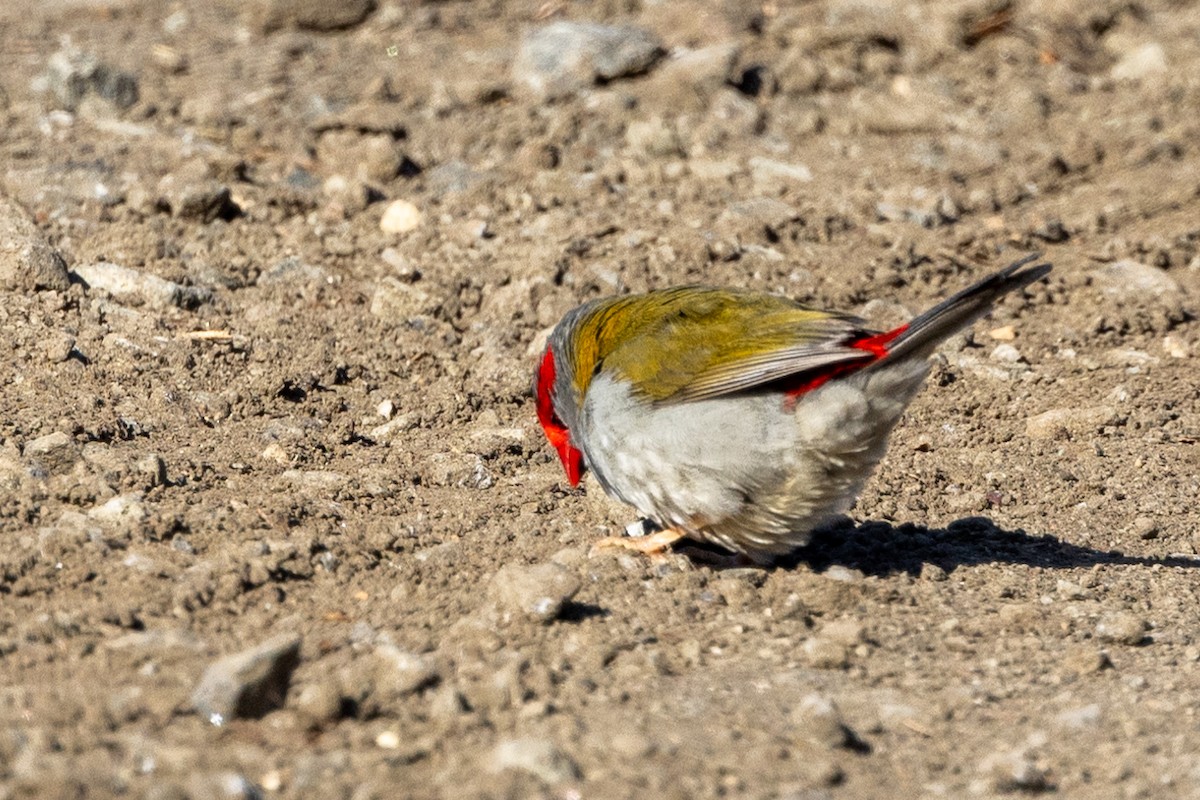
{"type": "Point", "coordinates": [276, 519]}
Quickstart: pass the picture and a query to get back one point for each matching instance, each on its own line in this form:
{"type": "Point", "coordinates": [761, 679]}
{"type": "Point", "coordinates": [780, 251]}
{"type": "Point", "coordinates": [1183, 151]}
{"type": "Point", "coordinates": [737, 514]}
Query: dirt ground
{"type": "Point", "coordinates": [274, 278]}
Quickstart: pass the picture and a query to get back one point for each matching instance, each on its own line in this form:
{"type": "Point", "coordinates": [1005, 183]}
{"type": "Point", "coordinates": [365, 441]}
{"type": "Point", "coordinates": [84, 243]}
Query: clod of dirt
{"type": "Point", "coordinates": [123, 514]}
{"type": "Point", "coordinates": [58, 347]}
{"type": "Point", "coordinates": [1072, 421]}
{"type": "Point", "coordinates": [538, 592]}
{"type": "Point", "coordinates": [27, 261]}
{"type": "Point", "coordinates": [316, 15]}
{"type": "Point", "coordinates": [562, 58]}
{"type": "Point", "coordinates": [55, 452]}
{"type": "Point", "coordinates": [1122, 627]}
{"type": "Point", "coordinates": [248, 684]}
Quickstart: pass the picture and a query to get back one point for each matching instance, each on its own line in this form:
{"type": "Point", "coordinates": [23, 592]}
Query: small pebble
{"type": "Point", "coordinates": [1013, 772]}
{"type": "Point", "coordinates": [58, 347]}
{"type": "Point", "coordinates": [400, 216]}
{"type": "Point", "coordinates": [388, 740]}
{"type": "Point", "coordinates": [1007, 354]}
{"type": "Point", "coordinates": [1139, 63]}
{"type": "Point", "coordinates": [1082, 717]}
{"type": "Point", "coordinates": [821, 652]}
{"type": "Point", "coordinates": [314, 15]}
{"type": "Point", "coordinates": [319, 703]}
{"type": "Point", "coordinates": [536, 592]}
{"type": "Point", "coordinates": [843, 574]}
{"type": "Point", "coordinates": [1005, 333]}
{"type": "Point", "coordinates": [399, 672]}
{"type": "Point", "coordinates": [1175, 346]}
{"type": "Point", "coordinates": [1145, 528]}
{"type": "Point", "coordinates": [539, 757]}
{"type": "Point", "coordinates": [1076, 421]}
{"type": "Point", "coordinates": [248, 684]}
{"type": "Point", "coordinates": [818, 720]}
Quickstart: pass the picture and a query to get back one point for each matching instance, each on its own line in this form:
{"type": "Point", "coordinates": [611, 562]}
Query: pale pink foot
{"type": "Point", "coordinates": [654, 545]}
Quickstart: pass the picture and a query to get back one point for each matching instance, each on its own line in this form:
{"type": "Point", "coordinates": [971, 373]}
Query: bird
{"type": "Point", "coordinates": [733, 417]}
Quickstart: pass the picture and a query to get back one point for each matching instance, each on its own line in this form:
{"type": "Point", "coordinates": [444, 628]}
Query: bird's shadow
{"type": "Point", "coordinates": [880, 548]}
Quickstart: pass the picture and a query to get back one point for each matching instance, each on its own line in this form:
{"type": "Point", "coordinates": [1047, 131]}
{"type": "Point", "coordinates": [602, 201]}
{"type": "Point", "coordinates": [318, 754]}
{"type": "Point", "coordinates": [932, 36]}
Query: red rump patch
{"type": "Point", "coordinates": [876, 345]}
{"type": "Point", "coordinates": [556, 432]}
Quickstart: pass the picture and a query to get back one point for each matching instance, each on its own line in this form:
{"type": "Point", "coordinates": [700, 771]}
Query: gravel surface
{"type": "Point", "coordinates": [276, 518]}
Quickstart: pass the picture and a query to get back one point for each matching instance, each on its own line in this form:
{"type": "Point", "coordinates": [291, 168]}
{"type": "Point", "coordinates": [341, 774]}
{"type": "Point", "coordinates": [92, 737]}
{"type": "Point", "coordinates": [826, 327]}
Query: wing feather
{"type": "Point", "coordinates": [766, 368]}
{"type": "Point", "coordinates": [695, 343]}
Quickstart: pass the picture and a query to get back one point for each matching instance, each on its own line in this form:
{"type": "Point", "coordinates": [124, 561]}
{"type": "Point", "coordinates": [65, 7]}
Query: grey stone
{"type": "Point", "coordinates": [562, 58]}
{"type": "Point", "coordinates": [122, 515]}
{"type": "Point", "coordinates": [455, 176]}
{"type": "Point", "coordinates": [248, 684]}
{"type": "Point", "coordinates": [126, 284]}
{"type": "Point", "coordinates": [536, 592]}
{"type": "Point", "coordinates": [27, 261]}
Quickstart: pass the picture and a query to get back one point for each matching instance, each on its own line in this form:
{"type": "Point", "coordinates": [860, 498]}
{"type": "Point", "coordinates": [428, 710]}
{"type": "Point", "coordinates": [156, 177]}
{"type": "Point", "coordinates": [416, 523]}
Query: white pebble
{"type": "Point", "coordinates": [400, 216]}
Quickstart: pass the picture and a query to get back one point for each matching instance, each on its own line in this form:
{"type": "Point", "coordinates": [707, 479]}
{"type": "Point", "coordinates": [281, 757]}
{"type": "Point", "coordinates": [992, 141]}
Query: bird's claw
{"type": "Point", "coordinates": [654, 545]}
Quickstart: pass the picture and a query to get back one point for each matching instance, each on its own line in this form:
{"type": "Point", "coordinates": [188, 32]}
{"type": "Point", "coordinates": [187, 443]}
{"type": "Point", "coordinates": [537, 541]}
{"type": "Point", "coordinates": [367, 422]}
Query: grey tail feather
{"type": "Point", "coordinates": [939, 323]}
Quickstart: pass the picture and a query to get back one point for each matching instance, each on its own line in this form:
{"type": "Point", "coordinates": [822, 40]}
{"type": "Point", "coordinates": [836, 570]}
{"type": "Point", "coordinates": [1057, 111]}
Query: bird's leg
{"type": "Point", "coordinates": [654, 544]}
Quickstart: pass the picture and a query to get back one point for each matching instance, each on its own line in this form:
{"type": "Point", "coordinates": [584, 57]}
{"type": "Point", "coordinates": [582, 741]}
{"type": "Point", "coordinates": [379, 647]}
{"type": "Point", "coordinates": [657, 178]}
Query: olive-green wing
{"type": "Point", "coordinates": [695, 344]}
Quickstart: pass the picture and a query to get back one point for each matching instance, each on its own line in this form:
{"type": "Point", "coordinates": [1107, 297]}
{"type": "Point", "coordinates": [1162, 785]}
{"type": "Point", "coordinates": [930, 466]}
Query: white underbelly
{"type": "Point", "coordinates": [743, 471]}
